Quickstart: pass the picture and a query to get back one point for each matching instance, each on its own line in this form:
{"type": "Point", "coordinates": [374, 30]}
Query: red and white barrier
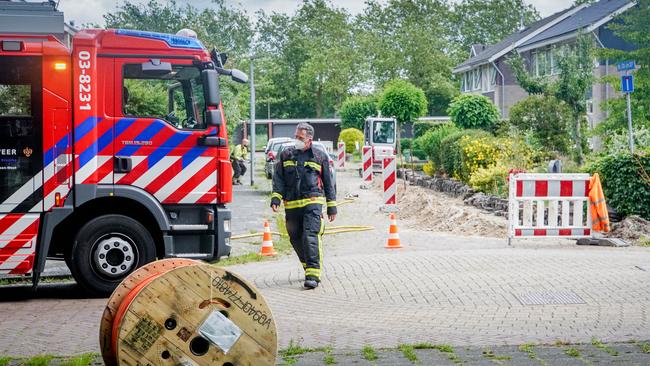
{"type": "Point", "coordinates": [549, 205]}
{"type": "Point", "coordinates": [367, 164]}
{"type": "Point", "coordinates": [341, 152]}
{"type": "Point", "coordinates": [389, 177]}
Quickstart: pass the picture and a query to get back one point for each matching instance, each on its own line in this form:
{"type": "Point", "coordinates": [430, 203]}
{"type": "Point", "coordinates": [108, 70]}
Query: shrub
{"type": "Point", "coordinates": [429, 169]}
{"type": "Point", "coordinates": [547, 118]}
{"type": "Point", "coordinates": [349, 136]}
{"type": "Point", "coordinates": [479, 152]}
{"type": "Point", "coordinates": [492, 180]}
{"type": "Point", "coordinates": [451, 152]}
{"type": "Point", "coordinates": [356, 109]}
{"type": "Point", "coordinates": [626, 182]}
{"type": "Point", "coordinates": [421, 127]}
{"type": "Point", "coordinates": [473, 111]}
{"type": "Point", "coordinates": [407, 143]}
{"type": "Point", "coordinates": [618, 143]}
{"type": "Point", "coordinates": [430, 142]}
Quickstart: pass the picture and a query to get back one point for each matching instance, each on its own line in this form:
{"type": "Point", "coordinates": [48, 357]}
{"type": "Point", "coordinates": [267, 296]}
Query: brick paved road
{"type": "Point", "coordinates": [439, 289]}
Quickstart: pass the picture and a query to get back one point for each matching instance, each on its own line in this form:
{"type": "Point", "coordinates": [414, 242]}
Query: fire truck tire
{"type": "Point", "coordinates": [107, 249]}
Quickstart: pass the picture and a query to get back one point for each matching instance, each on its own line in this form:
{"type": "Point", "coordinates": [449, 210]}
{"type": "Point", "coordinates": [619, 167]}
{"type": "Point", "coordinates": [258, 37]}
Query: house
{"type": "Point", "coordinates": [487, 72]}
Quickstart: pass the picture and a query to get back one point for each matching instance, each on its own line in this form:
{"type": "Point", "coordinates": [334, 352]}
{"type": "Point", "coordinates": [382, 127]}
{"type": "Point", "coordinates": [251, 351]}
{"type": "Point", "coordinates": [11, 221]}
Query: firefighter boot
{"type": "Point", "coordinates": [311, 282]}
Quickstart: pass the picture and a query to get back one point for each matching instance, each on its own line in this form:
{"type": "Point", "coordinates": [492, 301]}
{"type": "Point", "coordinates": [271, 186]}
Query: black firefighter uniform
{"type": "Point", "coordinates": [303, 181]}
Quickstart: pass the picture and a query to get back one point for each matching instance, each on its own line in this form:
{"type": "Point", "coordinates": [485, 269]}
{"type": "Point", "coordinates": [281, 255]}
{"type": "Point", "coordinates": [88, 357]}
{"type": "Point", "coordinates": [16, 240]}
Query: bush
{"type": "Point", "coordinates": [626, 182]}
{"type": "Point", "coordinates": [473, 111]}
{"type": "Point", "coordinates": [547, 118]}
{"type": "Point", "coordinates": [407, 143]}
{"type": "Point", "coordinates": [491, 180]}
{"type": "Point", "coordinates": [356, 109]}
{"type": "Point", "coordinates": [421, 127]}
{"type": "Point", "coordinates": [618, 143]}
{"type": "Point", "coordinates": [430, 142]}
{"type": "Point", "coordinates": [429, 169]}
{"type": "Point", "coordinates": [451, 152]}
{"type": "Point", "coordinates": [479, 152]}
{"type": "Point", "coordinates": [349, 136]}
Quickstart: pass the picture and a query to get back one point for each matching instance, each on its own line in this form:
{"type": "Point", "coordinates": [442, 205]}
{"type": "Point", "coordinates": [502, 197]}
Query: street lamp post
{"type": "Point", "coordinates": [252, 121]}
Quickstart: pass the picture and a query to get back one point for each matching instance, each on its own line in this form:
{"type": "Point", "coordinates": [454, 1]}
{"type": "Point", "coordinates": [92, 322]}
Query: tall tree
{"type": "Point", "coordinates": [487, 22]}
{"type": "Point", "coordinates": [571, 85]}
{"type": "Point", "coordinates": [409, 39]}
{"type": "Point", "coordinates": [632, 26]}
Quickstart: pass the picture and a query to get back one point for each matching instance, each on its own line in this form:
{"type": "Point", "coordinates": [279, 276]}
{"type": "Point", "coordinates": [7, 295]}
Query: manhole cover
{"type": "Point", "coordinates": [550, 298]}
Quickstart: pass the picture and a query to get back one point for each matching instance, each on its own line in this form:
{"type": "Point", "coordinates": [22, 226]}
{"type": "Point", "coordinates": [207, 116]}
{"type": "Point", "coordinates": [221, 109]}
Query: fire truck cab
{"type": "Point", "coordinates": [113, 153]}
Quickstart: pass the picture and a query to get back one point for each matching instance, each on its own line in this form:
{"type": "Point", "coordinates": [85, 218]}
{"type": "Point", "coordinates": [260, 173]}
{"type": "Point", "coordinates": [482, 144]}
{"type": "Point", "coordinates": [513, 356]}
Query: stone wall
{"type": "Point", "coordinates": [451, 187]}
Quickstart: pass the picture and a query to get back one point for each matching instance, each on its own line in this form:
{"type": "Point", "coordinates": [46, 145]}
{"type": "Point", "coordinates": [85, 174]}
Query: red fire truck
{"type": "Point", "coordinates": [93, 172]}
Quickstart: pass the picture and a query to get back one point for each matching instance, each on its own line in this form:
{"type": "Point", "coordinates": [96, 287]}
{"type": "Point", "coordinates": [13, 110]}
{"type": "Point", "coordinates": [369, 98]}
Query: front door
{"type": "Point", "coordinates": [157, 136]}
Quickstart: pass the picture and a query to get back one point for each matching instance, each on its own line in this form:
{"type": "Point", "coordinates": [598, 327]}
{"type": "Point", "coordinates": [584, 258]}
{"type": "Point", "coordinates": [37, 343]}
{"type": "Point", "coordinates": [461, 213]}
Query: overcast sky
{"type": "Point", "coordinates": [86, 11]}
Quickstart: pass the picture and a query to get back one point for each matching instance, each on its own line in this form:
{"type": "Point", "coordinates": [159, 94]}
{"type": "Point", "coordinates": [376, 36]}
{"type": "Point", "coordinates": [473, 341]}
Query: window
{"type": "Point", "coordinates": [476, 79]}
{"type": "Point", "coordinates": [383, 132]}
{"type": "Point", "coordinates": [15, 100]}
{"type": "Point", "coordinates": [176, 97]}
{"type": "Point", "coordinates": [490, 82]}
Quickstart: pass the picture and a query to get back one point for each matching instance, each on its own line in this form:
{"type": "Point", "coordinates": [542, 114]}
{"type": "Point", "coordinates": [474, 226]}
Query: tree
{"type": "Point", "coordinates": [404, 101]}
{"type": "Point", "coordinates": [571, 85]}
{"type": "Point", "coordinates": [547, 119]}
{"type": "Point", "coordinates": [473, 111]}
{"type": "Point", "coordinates": [630, 27]}
{"type": "Point", "coordinates": [409, 40]}
{"type": "Point", "coordinates": [356, 109]}
{"type": "Point", "coordinates": [488, 22]}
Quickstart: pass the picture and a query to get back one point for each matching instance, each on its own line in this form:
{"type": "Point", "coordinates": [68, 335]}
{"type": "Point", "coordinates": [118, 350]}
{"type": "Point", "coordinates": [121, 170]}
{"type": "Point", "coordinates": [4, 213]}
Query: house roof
{"type": "Point", "coordinates": [559, 24]}
{"type": "Point", "coordinates": [585, 18]}
{"type": "Point", "coordinates": [489, 51]}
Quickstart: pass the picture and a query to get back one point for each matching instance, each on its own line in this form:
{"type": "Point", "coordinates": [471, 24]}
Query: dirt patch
{"type": "Point", "coordinates": [434, 211]}
{"type": "Point", "coordinates": [633, 228]}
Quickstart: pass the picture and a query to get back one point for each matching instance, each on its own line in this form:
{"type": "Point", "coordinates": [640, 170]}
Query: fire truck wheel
{"type": "Point", "coordinates": [107, 249]}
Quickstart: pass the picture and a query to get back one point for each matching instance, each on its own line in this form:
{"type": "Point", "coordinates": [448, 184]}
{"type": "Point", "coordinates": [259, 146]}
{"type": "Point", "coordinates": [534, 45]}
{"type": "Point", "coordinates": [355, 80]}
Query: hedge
{"type": "Point", "coordinates": [626, 182]}
{"type": "Point", "coordinates": [349, 136]}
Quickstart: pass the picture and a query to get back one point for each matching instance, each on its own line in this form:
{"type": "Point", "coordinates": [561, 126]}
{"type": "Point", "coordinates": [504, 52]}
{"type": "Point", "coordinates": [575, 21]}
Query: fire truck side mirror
{"type": "Point", "coordinates": [211, 87]}
{"type": "Point", "coordinates": [213, 116]}
{"type": "Point", "coordinates": [239, 76]}
{"type": "Point", "coordinates": [156, 68]}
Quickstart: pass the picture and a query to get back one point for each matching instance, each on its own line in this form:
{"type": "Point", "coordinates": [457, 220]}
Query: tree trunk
{"type": "Point", "coordinates": [578, 139]}
{"type": "Point", "coordinates": [319, 102]}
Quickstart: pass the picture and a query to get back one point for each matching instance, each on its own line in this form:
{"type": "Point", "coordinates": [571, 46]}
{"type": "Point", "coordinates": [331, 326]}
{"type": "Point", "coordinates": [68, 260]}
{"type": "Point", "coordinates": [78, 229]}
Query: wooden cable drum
{"type": "Point", "coordinates": [194, 315]}
{"type": "Point", "coordinates": [128, 284]}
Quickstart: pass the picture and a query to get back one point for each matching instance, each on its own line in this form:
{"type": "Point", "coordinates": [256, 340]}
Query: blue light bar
{"type": "Point", "coordinates": [171, 40]}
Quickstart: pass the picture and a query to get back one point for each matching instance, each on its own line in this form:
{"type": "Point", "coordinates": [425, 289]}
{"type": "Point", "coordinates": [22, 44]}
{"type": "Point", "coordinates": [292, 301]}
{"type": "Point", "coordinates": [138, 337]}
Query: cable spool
{"type": "Point", "coordinates": [128, 284]}
{"type": "Point", "coordinates": [193, 314]}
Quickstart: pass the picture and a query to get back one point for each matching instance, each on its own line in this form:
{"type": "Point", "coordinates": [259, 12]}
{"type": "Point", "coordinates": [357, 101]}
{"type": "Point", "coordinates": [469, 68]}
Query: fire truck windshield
{"type": "Point", "coordinates": [383, 132]}
{"type": "Point", "coordinates": [176, 97]}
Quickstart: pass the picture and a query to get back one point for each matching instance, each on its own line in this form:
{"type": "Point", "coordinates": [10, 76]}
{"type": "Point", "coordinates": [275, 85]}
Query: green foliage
{"type": "Point", "coordinates": [349, 136]}
{"type": "Point", "coordinates": [147, 98]}
{"type": "Point", "coordinates": [488, 22]}
{"type": "Point", "coordinates": [356, 109]}
{"type": "Point", "coordinates": [492, 180]}
{"type": "Point", "coordinates": [403, 100]}
{"type": "Point", "coordinates": [15, 100]}
{"type": "Point", "coordinates": [4, 360]}
{"type": "Point", "coordinates": [451, 152]}
{"type": "Point", "coordinates": [429, 169]}
{"type": "Point", "coordinates": [431, 142]}
{"type": "Point", "coordinates": [369, 353]}
{"type": "Point", "coordinates": [473, 111]}
{"type": "Point", "coordinates": [547, 119]}
{"type": "Point", "coordinates": [40, 360]}
{"type": "Point", "coordinates": [570, 86]}
{"type": "Point", "coordinates": [421, 127]}
{"type": "Point", "coordinates": [407, 143]}
{"type": "Point", "coordinates": [618, 142]}
{"type": "Point", "coordinates": [85, 359]}
{"type": "Point", "coordinates": [408, 352]}
{"type": "Point", "coordinates": [626, 182]}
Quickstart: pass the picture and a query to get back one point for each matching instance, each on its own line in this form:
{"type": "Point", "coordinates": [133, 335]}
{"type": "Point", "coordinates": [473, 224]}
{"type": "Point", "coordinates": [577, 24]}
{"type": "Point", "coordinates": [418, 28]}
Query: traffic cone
{"type": "Point", "coordinates": [267, 242]}
{"type": "Point", "coordinates": [393, 236]}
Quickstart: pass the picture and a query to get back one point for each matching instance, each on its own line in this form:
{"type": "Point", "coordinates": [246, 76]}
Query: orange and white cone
{"type": "Point", "coordinates": [267, 242]}
{"type": "Point", "coordinates": [393, 236]}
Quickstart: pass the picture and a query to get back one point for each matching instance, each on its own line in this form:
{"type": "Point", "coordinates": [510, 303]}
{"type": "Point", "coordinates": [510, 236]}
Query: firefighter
{"type": "Point", "coordinates": [303, 181]}
{"type": "Point", "coordinates": [237, 158]}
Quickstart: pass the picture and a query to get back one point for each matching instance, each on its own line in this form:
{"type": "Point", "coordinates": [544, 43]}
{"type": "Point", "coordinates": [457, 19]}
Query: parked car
{"type": "Point", "coordinates": [274, 141]}
{"type": "Point", "coordinates": [269, 168]}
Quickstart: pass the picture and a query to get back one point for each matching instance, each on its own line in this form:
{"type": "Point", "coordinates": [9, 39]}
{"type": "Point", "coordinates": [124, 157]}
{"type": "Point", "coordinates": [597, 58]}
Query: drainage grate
{"type": "Point", "coordinates": [550, 298]}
